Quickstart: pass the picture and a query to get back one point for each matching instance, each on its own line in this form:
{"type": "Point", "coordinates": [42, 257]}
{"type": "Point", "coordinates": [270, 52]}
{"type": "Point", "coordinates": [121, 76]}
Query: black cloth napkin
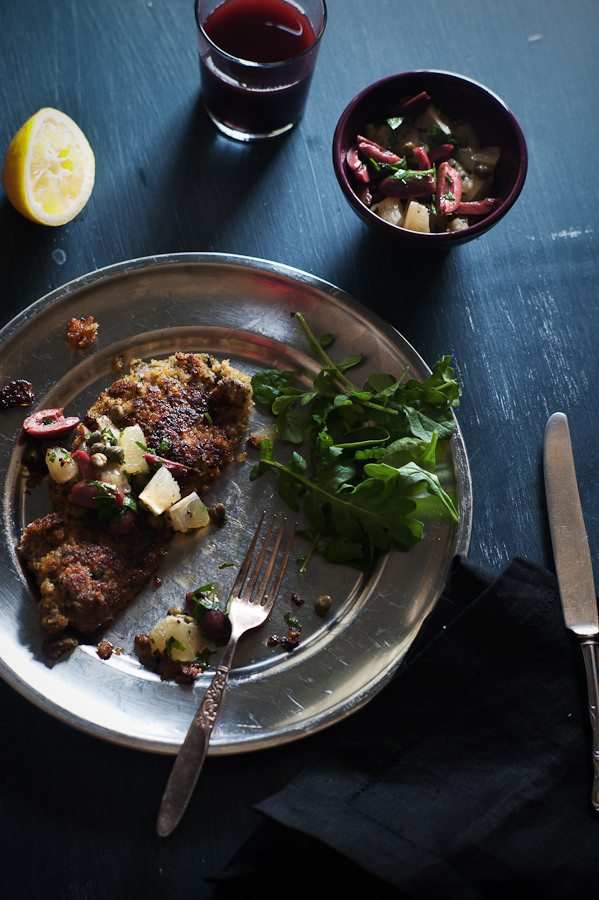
{"type": "Point", "coordinates": [468, 776]}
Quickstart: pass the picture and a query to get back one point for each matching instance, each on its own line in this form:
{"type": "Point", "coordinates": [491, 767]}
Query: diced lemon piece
{"type": "Point", "coordinates": [433, 117]}
{"type": "Point", "coordinates": [160, 492]}
{"type": "Point", "coordinates": [391, 210]}
{"type": "Point", "coordinates": [417, 217]}
{"type": "Point", "coordinates": [49, 168]}
{"type": "Point", "coordinates": [61, 465]}
{"type": "Point", "coordinates": [487, 156]}
{"type": "Point", "coordinates": [134, 460]}
{"type": "Point", "coordinates": [465, 135]}
{"type": "Point", "coordinates": [188, 513]}
{"type": "Point", "coordinates": [458, 224]}
{"type": "Point", "coordinates": [112, 473]}
{"type": "Point", "coordinates": [178, 637]}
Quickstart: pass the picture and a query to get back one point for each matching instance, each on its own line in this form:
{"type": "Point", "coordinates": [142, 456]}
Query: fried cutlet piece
{"type": "Point", "coordinates": [193, 410]}
{"type": "Point", "coordinates": [85, 575]}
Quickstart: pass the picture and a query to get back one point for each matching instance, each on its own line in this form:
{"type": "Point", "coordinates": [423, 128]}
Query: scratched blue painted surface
{"type": "Point", "coordinates": [518, 309]}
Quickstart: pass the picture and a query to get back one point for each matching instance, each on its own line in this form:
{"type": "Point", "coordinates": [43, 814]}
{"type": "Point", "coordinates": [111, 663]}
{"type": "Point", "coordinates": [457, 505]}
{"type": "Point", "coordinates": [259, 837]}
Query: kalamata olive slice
{"type": "Point", "coordinates": [84, 493]}
{"type": "Point", "coordinates": [177, 470]}
{"type": "Point", "coordinates": [449, 189]}
{"type": "Point", "coordinates": [216, 625]}
{"type": "Point", "coordinates": [410, 187]}
{"type": "Point", "coordinates": [86, 466]}
{"type": "Point", "coordinates": [49, 422]}
{"type": "Point", "coordinates": [96, 494]}
{"type": "Point", "coordinates": [123, 524]}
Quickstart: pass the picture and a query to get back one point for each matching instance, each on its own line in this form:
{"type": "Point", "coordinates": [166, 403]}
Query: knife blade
{"type": "Point", "coordinates": [573, 564]}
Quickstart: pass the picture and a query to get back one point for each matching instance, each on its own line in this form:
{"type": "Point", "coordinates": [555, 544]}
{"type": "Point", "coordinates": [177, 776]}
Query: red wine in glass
{"type": "Point", "coordinates": [256, 65]}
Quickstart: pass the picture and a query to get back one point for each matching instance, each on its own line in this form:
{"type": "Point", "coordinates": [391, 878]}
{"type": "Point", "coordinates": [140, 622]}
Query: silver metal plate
{"type": "Point", "coordinates": [236, 308]}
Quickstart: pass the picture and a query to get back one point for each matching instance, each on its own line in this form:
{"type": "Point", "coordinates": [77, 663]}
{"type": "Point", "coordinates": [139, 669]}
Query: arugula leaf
{"type": "Point", "coordinates": [272, 383]}
{"type": "Point", "coordinates": [366, 475]}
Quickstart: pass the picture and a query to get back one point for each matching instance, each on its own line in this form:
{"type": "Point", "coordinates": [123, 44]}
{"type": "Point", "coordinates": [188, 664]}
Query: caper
{"type": "Point", "coordinates": [97, 447]}
{"type": "Point", "coordinates": [94, 437]}
{"type": "Point", "coordinates": [117, 414]}
{"type": "Point", "coordinates": [323, 604]}
{"type": "Point", "coordinates": [114, 454]}
{"type": "Point", "coordinates": [217, 513]}
{"type": "Point", "coordinates": [407, 147]}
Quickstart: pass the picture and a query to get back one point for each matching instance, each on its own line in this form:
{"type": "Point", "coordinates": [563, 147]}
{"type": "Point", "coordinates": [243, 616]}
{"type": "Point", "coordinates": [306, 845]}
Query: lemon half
{"type": "Point", "coordinates": [49, 168]}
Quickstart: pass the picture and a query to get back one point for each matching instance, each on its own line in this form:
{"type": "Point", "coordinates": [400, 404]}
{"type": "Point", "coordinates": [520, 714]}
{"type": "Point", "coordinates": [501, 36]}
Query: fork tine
{"type": "Point", "coordinates": [271, 563]}
{"type": "Point", "coordinates": [242, 574]}
{"type": "Point", "coordinates": [246, 591]}
{"type": "Point", "coordinates": [249, 588]}
{"type": "Point", "coordinates": [272, 595]}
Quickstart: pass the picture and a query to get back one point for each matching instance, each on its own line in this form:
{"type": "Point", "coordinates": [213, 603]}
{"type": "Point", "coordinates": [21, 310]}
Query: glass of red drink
{"type": "Point", "coordinates": [256, 62]}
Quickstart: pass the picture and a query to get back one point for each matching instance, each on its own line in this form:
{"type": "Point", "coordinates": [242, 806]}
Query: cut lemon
{"type": "Point", "coordinates": [49, 168]}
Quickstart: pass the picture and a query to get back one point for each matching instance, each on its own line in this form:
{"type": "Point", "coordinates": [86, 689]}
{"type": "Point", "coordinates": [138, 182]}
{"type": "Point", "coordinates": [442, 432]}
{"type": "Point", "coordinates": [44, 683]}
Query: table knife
{"type": "Point", "coordinates": [573, 564]}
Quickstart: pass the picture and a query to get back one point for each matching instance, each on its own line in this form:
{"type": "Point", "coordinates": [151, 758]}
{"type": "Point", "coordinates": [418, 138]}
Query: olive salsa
{"type": "Point", "coordinates": [421, 171]}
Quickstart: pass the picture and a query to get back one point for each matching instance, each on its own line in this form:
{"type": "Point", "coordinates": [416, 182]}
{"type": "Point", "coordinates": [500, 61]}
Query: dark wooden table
{"type": "Point", "coordinates": [517, 310]}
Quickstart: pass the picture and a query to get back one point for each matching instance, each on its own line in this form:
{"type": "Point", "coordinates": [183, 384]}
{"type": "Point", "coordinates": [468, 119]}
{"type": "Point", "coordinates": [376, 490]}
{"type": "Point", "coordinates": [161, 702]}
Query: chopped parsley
{"type": "Point", "coordinates": [395, 122]}
{"type": "Point", "coordinates": [203, 658]}
{"type": "Point", "coordinates": [292, 622]}
{"type": "Point", "coordinates": [203, 598]}
{"type": "Point", "coordinates": [172, 644]}
{"type": "Point", "coordinates": [437, 136]}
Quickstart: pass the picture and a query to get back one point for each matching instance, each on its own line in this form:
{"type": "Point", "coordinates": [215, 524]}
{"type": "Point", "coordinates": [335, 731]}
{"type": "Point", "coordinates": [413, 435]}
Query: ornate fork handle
{"type": "Point", "coordinates": [190, 759]}
{"type": "Point", "coordinates": [208, 711]}
{"type": "Point", "coordinates": [591, 663]}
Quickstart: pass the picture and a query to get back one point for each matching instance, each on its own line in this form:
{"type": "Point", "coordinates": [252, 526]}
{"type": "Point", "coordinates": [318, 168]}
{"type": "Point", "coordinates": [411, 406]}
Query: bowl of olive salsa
{"type": "Point", "coordinates": [429, 157]}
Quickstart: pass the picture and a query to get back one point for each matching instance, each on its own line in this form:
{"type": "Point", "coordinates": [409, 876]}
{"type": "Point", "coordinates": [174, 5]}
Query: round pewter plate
{"type": "Point", "coordinates": [240, 309]}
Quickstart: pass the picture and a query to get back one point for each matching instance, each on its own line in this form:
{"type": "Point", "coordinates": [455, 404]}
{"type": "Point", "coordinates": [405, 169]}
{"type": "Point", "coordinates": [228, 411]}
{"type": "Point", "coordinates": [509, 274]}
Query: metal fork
{"type": "Point", "coordinates": [249, 607]}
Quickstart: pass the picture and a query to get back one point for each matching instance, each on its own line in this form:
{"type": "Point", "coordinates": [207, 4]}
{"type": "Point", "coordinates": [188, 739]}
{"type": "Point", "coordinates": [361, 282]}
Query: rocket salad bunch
{"type": "Point", "coordinates": [367, 472]}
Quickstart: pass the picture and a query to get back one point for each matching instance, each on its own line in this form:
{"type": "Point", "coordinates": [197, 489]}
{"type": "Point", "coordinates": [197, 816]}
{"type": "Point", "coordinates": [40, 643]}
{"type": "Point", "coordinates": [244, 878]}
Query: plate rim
{"type": "Point", "coordinates": [261, 266]}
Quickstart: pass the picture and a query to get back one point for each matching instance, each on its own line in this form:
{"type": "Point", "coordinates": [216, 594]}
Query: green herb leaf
{"type": "Point", "coordinates": [365, 478]}
{"type": "Point", "coordinates": [437, 136]}
{"type": "Point", "coordinates": [204, 598]}
{"type": "Point", "coordinates": [203, 657]}
{"type": "Point", "coordinates": [107, 497]}
{"type": "Point", "coordinates": [292, 621]}
{"type": "Point", "coordinates": [401, 174]}
{"type": "Point", "coordinates": [395, 122]}
{"type": "Point", "coordinates": [172, 644]}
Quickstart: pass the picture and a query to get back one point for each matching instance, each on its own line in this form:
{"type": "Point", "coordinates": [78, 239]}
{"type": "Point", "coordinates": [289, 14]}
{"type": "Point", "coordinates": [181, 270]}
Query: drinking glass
{"type": "Point", "coordinates": [256, 62]}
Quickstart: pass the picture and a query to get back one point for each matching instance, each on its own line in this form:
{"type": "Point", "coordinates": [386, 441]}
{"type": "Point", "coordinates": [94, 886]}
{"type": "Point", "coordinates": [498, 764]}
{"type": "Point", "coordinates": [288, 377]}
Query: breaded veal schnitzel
{"type": "Point", "coordinates": [108, 531]}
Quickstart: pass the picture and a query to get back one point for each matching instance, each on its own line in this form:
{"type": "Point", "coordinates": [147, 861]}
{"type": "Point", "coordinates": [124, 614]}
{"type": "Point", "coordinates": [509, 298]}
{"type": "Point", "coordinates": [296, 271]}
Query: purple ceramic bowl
{"type": "Point", "coordinates": [460, 98]}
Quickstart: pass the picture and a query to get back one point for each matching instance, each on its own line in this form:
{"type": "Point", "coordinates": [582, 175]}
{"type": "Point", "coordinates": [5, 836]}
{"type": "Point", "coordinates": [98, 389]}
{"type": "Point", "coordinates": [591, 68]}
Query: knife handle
{"type": "Point", "coordinates": [591, 664]}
